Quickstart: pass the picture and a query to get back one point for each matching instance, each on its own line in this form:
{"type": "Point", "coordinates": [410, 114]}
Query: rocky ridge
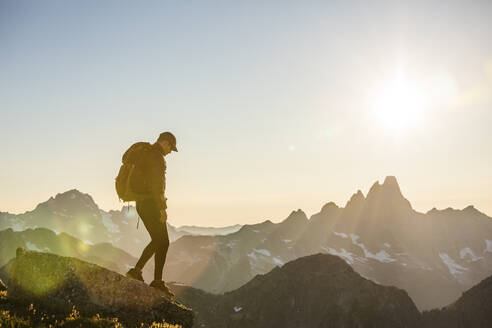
{"type": "Point", "coordinates": [57, 284]}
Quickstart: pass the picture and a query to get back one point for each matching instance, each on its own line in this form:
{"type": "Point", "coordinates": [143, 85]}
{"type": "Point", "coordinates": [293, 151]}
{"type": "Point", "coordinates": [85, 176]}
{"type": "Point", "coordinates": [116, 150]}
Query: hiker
{"type": "Point", "coordinates": [152, 208]}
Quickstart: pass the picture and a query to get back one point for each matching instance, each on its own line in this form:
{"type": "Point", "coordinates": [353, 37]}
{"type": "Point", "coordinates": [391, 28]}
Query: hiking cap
{"type": "Point", "coordinates": [170, 138]}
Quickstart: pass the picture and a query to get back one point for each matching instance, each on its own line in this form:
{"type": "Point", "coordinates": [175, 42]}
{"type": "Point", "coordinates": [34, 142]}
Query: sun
{"type": "Point", "coordinates": [400, 106]}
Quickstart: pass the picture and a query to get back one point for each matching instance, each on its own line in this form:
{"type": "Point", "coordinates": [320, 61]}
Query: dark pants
{"type": "Point", "coordinates": [149, 212]}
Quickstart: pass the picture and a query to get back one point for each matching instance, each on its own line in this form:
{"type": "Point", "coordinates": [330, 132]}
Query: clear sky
{"type": "Point", "coordinates": [276, 105]}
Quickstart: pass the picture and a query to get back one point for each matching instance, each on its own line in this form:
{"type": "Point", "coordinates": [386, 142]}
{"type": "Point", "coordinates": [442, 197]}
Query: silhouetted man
{"type": "Point", "coordinates": [152, 209]}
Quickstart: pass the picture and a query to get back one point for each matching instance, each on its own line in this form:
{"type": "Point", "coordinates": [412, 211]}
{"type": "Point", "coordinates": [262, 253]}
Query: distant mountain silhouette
{"type": "Point", "coordinates": [435, 256]}
{"type": "Point", "coordinates": [77, 214]}
{"type": "Point", "coordinates": [315, 291]}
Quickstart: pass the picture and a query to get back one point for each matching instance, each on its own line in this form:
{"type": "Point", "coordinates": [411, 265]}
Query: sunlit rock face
{"type": "Point", "coordinates": [320, 290]}
{"type": "Point", "coordinates": [57, 283]}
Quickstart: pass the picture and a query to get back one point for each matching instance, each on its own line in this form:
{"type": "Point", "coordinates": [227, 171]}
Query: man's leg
{"type": "Point", "coordinates": [162, 246]}
{"type": "Point", "coordinates": [146, 209]}
{"type": "Point", "coordinates": [161, 240]}
{"type": "Point", "coordinates": [147, 253]}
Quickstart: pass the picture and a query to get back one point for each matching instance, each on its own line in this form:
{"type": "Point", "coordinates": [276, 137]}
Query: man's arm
{"type": "Point", "coordinates": [157, 180]}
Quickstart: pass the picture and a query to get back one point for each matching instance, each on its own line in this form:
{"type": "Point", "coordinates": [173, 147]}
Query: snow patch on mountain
{"type": "Point", "coordinates": [108, 223]}
{"type": "Point", "coordinates": [237, 308]}
{"type": "Point", "coordinates": [488, 246]}
{"type": "Point", "coordinates": [17, 224]}
{"type": "Point", "coordinates": [454, 268]}
{"type": "Point", "coordinates": [387, 245]}
{"type": "Point", "coordinates": [340, 234]}
{"type": "Point", "coordinates": [278, 261]}
{"type": "Point", "coordinates": [347, 256]}
{"type": "Point", "coordinates": [252, 255]}
{"type": "Point", "coordinates": [262, 251]}
{"type": "Point", "coordinates": [467, 252]}
{"type": "Point", "coordinates": [287, 240]}
{"type": "Point", "coordinates": [34, 247]}
{"type": "Point", "coordinates": [381, 256]}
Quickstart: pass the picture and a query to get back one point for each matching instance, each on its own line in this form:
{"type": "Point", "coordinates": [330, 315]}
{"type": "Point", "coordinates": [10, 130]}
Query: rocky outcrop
{"type": "Point", "coordinates": [56, 284]}
{"type": "Point", "coordinates": [314, 291]}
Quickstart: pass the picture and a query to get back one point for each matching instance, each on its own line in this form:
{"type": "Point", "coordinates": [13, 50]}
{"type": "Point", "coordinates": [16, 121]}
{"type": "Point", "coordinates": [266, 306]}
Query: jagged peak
{"type": "Point", "coordinates": [356, 198]}
{"type": "Point", "coordinates": [446, 210]}
{"type": "Point", "coordinates": [357, 195]}
{"type": "Point", "coordinates": [432, 211]}
{"type": "Point", "coordinates": [329, 207]}
{"type": "Point", "coordinates": [390, 185]}
{"type": "Point", "coordinates": [71, 196]}
{"type": "Point", "coordinates": [298, 214]}
{"type": "Point", "coordinates": [390, 179]}
{"type": "Point", "coordinates": [470, 209]}
{"type": "Point", "coordinates": [387, 197]}
{"type": "Point", "coordinates": [374, 189]}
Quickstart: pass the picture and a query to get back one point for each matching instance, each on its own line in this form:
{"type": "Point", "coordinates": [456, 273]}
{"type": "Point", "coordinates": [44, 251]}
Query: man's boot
{"type": "Point", "coordinates": [135, 273]}
{"type": "Point", "coordinates": [161, 285]}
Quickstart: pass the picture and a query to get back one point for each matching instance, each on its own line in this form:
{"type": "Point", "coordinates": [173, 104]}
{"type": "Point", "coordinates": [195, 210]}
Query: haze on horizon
{"type": "Point", "coordinates": [275, 106]}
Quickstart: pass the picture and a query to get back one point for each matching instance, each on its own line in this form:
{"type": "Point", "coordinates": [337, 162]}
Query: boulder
{"type": "Point", "coordinates": [57, 284]}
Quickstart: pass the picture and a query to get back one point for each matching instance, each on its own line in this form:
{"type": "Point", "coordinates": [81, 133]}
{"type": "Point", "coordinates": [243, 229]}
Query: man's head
{"type": "Point", "coordinates": [167, 141]}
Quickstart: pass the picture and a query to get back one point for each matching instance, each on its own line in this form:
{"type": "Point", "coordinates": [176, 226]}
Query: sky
{"type": "Point", "coordinates": [276, 105]}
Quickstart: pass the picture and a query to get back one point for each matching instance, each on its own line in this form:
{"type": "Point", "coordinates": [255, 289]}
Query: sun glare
{"type": "Point", "coordinates": [400, 106]}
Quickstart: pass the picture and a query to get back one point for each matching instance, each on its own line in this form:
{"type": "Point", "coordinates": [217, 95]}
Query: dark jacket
{"type": "Point", "coordinates": [150, 158]}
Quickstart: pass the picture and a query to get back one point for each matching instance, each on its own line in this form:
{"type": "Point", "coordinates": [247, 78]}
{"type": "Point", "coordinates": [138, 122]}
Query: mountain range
{"type": "Point", "coordinates": [434, 256]}
{"type": "Point", "coordinates": [77, 214]}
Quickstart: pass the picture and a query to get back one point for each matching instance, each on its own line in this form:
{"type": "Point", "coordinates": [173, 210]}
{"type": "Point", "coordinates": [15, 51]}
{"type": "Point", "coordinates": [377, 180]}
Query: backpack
{"type": "Point", "coordinates": [131, 183]}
